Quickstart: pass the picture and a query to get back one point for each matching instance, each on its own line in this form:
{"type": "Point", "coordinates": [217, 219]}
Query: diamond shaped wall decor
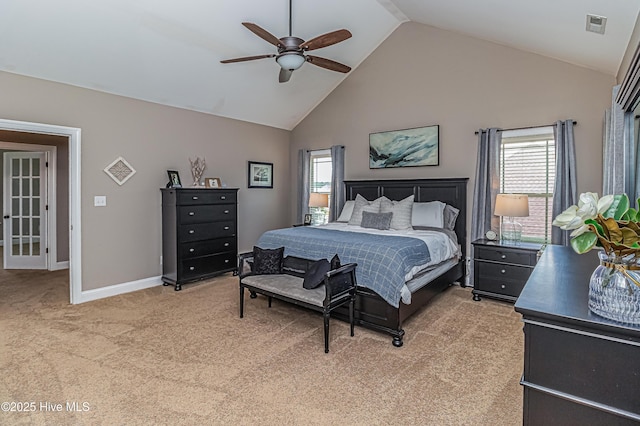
{"type": "Point", "coordinates": [120, 171]}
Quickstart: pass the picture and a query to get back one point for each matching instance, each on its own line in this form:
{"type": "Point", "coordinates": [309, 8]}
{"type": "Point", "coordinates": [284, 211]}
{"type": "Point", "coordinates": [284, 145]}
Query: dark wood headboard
{"type": "Point", "coordinates": [452, 191]}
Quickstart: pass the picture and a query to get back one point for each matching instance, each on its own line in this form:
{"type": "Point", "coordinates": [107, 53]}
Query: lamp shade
{"type": "Point", "coordinates": [318, 200]}
{"type": "Point", "coordinates": [290, 61]}
{"type": "Point", "coordinates": [513, 205]}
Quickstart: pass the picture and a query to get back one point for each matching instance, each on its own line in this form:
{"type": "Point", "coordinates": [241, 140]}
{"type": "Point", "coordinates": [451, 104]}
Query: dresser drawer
{"type": "Point", "coordinates": [200, 266]}
{"type": "Point", "coordinates": [207, 247]}
{"type": "Point", "coordinates": [206, 231]}
{"type": "Point", "coordinates": [198, 196]}
{"type": "Point", "coordinates": [503, 255]}
{"type": "Point", "coordinates": [206, 213]}
{"type": "Point", "coordinates": [508, 280]}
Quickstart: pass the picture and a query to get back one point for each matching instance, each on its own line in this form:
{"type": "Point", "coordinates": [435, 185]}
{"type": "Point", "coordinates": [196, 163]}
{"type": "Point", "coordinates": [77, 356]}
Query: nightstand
{"type": "Point", "coordinates": [501, 268]}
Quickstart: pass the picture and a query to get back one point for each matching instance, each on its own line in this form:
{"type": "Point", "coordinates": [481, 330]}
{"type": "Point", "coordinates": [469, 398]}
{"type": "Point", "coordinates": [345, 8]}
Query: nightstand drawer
{"type": "Point", "coordinates": [504, 255]}
{"type": "Point", "coordinates": [503, 279]}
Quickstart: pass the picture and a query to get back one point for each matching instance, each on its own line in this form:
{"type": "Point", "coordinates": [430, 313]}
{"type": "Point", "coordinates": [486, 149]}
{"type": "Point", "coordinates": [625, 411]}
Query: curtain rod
{"type": "Point", "coordinates": [531, 127]}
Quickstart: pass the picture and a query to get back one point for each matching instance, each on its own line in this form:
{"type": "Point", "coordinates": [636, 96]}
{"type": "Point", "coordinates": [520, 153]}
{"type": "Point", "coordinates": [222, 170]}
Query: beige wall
{"type": "Point", "coordinates": [423, 76]}
{"type": "Point", "coordinates": [122, 242]}
{"type": "Point", "coordinates": [631, 50]}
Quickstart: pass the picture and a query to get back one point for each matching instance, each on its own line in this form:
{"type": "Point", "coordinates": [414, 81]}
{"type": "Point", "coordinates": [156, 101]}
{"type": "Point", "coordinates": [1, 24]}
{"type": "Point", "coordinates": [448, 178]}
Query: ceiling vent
{"type": "Point", "coordinates": [596, 24]}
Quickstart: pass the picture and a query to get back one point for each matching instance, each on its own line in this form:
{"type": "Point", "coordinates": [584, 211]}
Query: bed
{"type": "Point", "coordinates": [389, 290]}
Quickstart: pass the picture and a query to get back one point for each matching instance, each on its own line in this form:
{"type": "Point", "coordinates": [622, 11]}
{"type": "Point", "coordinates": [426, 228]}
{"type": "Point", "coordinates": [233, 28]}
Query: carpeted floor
{"type": "Point", "coordinates": [163, 357]}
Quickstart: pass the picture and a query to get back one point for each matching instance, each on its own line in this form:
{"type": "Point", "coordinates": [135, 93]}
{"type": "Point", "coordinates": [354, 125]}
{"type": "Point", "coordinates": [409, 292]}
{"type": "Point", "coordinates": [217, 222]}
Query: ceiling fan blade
{"type": "Point", "coordinates": [326, 40]}
{"type": "Point", "coordinates": [284, 76]}
{"type": "Point", "coordinates": [247, 58]}
{"type": "Point", "coordinates": [328, 64]}
{"type": "Point", "coordinates": [262, 33]}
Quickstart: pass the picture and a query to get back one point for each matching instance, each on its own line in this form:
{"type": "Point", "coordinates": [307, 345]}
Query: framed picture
{"type": "Point", "coordinates": [174, 179]}
{"type": "Point", "coordinates": [405, 148]}
{"type": "Point", "coordinates": [212, 183]}
{"type": "Point", "coordinates": [260, 175]}
{"type": "Point", "coordinates": [307, 219]}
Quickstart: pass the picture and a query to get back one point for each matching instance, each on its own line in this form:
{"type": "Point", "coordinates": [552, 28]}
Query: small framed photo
{"type": "Point", "coordinates": [260, 175]}
{"type": "Point", "coordinates": [174, 179]}
{"type": "Point", "coordinates": [212, 183]}
{"type": "Point", "coordinates": [307, 219]}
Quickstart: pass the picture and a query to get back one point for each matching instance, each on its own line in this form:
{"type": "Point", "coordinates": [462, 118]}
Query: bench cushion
{"type": "Point", "coordinates": [287, 286]}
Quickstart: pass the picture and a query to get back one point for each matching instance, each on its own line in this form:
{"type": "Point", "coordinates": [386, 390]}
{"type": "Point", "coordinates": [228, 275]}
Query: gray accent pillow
{"type": "Point", "coordinates": [360, 203]}
{"type": "Point", "coordinates": [401, 210]}
{"type": "Point", "coordinates": [450, 214]}
{"type": "Point", "coordinates": [380, 221]}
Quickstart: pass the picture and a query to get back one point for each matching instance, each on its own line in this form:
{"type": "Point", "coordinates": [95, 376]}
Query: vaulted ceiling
{"type": "Point", "coordinates": [169, 52]}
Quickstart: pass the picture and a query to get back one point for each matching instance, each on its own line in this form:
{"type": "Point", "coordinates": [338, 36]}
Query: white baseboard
{"type": "Point", "coordinates": [56, 266]}
{"type": "Point", "coordinates": [114, 290]}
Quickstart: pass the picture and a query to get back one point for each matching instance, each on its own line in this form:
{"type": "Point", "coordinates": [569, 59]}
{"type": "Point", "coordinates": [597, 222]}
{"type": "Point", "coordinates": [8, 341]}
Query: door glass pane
{"type": "Point", "coordinates": [26, 211]}
{"type": "Point", "coordinates": [36, 206]}
{"type": "Point", "coordinates": [36, 167]}
{"type": "Point", "coordinates": [35, 227]}
{"type": "Point", "coordinates": [15, 186]}
{"type": "Point", "coordinates": [26, 167]}
{"type": "Point", "coordinates": [26, 229]}
{"type": "Point", "coordinates": [15, 246]}
{"type": "Point", "coordinates": [15, 207]}
{"type": "Point", "coordinates": [15, 167]}
{"type": "Point", "coordinates": [35, 249]}
{"type": "Point", "coordinates": [26, 247]}
{"type": "Point", "coordinates": [36, 187]}
{"type": "Point", "coordinates": [25, 188]}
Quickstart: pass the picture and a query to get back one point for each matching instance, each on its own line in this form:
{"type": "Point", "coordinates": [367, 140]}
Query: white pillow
{"type": "Point", "coordinates": [347, 210]}
{"type": "Point", "coordinates": [428, 214]}
{"type": "Point", "coordinates": [360, 202]}
{"type": "Point", "coordinates": [401, 210]}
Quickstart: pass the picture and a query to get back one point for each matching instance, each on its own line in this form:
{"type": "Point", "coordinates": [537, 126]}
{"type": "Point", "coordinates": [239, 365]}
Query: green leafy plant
{"type": "Point", "coordinates": [606, 222]}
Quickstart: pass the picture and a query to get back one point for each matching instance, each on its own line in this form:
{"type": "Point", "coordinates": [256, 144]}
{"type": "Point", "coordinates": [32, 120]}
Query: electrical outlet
{"type": "Point", "coordinates": [100, 201]}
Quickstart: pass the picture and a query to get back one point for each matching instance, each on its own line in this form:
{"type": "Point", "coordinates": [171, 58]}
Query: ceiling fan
{"type": "Point", "coordinates": [291, 50]}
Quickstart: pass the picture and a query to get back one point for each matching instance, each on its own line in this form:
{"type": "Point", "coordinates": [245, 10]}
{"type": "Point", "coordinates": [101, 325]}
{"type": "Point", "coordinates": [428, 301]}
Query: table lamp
{"type": "Point", "coordinates": [510, 206]}
{"type": "Point", "coordinates": [319, 200]}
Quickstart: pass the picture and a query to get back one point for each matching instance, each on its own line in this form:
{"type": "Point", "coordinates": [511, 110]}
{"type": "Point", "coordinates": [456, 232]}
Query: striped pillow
{"type": "Point", "coordinates": [360, 202]}
{"type": "Point", "coordinates": [401, 218]}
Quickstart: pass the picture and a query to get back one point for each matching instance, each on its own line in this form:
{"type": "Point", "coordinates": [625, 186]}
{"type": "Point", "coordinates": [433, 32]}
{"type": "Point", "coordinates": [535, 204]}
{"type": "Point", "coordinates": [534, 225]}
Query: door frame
{"type": "Point", "coordinates": [75, 230]}
{"type": "Point", "coordinates": [51, 257]}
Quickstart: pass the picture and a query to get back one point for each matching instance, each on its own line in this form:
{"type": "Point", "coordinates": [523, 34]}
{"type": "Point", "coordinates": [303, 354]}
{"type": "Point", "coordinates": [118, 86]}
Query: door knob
{"type": "Point", "coordinates": [6, 216]}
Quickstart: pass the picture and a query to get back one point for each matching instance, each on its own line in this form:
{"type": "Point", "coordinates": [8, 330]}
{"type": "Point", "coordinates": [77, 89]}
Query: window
{"type": "Point", "coordinates": [320, 186]}
{"type": "Point", "coordinates": [528, 166]}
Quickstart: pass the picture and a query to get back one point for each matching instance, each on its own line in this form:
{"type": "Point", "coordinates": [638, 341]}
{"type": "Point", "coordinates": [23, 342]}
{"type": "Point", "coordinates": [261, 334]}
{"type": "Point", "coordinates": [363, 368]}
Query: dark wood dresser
{"type": "Point", "coordinates": [199, 234]}
{"type": "Point", "coordinates": [579, 368]}
{"type": "Point", "coordinates": [500, 268]}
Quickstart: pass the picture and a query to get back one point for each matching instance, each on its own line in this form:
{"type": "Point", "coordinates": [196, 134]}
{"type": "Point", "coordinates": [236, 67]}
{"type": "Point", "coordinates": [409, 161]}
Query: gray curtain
{"type": "Point", "coordinates": [619, 159]}
{"type": "Point", "coordinates": [304, 156]}
{"type": "Point", "coordinates": [337, 182]}
{"type": "Point", "coordinates": [487, 183]}
{"type": "Point", "coordinates": [565, 192]}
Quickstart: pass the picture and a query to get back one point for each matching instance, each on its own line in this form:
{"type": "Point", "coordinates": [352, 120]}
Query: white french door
{"type": "Point", "coordinates": [25, 222]}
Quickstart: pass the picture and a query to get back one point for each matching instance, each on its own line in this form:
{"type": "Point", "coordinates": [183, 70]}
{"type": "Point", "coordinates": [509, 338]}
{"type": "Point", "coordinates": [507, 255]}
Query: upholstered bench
{"type": "Point", "coordinates": [338, 287]}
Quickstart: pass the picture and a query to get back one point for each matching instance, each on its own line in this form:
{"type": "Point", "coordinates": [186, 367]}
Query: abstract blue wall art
{"type": "Point", "coordinates": [405, 148]}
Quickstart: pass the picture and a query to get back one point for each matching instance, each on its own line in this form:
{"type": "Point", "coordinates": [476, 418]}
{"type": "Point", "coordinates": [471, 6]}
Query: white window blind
{"type": "Point", "coordinates": [527, 166]}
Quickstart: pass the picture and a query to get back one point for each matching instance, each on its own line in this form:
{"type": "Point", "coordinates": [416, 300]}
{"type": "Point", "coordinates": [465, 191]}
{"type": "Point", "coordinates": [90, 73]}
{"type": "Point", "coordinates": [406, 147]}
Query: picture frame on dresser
{"type": "Point", "coordinates": [259, 175]}
{"type": "Point", "coordinates": [212, 183]}
{"type": "Point", "coordinates": [174, 179]}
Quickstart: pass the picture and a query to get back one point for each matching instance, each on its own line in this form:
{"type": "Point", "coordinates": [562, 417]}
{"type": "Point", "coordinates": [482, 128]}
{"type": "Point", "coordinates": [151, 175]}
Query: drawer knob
{"type": "Point", "coordinates": [192, 268]}
{"type": "Point", "coordinates": [222, 197]}
{"type": "Point", "coordinates": [226, 244]}
{"type": "Point", "coordinates": [226, 212]}
{"type": "Point", "coordinates": [191, 250]}
{"type": "Point", "coordinates": [504, 256]}
{"type": "Point", "coordinates": [226, 261]}
{"type": "Point", "coordinates": [503, 271]}
{"type": "Point", "coordinates": [191, 214]}
{"type": "Point", "coordinates": [226, 228]}
{"type": "Point", "coordinates": [194, 197]}
{"type": "Point", "coordinates": [503, 286]}
{"type": "Point", "coordinates": [191, 231]}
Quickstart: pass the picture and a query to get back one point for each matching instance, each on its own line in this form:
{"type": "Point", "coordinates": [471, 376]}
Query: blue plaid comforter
{"type": "Point", "coordinates": [383, 260]}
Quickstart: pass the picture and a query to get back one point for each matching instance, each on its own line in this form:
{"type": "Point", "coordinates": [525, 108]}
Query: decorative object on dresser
{"type": "Point", "coordinates": [199, 234]}
{"type": "Point", "coordinates": [120, 170]}
{"type": "Point", "coordinates": [510, 206]}
{"type": "Point", "coordinates": [405, 148]}
{"type": "Point", "coordinates": [501, 268]}
{"type": "Point", "coordinates": [608, 222]}
{"type": "Point", "coordinates": [579, 368]}
{"type": "Point", "coordinates": [174, 179]}
{"type": "Point", "coordinates": [259, 175]}
{"type": "Point", "coordinates": [197, 169]}
{"type": "Point", "coordinates": [212, 183]}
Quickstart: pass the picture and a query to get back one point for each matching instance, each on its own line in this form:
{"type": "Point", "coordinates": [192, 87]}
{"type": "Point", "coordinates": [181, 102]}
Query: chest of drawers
{"type": "Point", "coordinates": [199, 234]}
{"type": "Point", "coordinates": [500, 269]}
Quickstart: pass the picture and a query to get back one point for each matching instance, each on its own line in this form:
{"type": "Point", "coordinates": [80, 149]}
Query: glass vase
{"type": "Point", "coordinates": [613, 294]}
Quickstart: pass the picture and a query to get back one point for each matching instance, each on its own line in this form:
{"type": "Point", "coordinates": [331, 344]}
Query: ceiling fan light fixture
{"type": "Point", "coordinates": [290, 61]}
